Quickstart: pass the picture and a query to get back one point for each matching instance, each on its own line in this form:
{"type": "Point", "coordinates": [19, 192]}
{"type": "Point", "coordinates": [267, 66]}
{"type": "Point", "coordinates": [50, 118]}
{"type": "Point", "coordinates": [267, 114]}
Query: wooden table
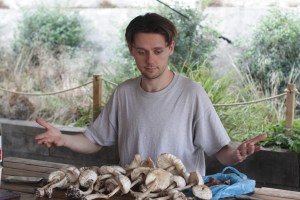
{"type": "Point", "coordinates": [28, 167]}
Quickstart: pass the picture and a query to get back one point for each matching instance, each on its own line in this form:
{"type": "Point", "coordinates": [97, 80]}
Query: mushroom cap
{"type": "Point", "coordinates": [124, 182]}
{"type": "Point", "coordinates": [167, 160]}
{"type": "Point", "coordinates": [195, 178]}
{"type": "Point", "coordinates": [138, 171]}
{"type": "Point", "coordinates": [179, 180]}
{"type": "Point", "coordinates": [162, 178]}
{"type": "Point", "coordinates": [87, 177]}
{"type": "Point", "coordinates": [73, 174]}
{"type": "Point", "coordinates": [113, 169]}
{"type": "Point", "coordinates": [136, 162]}
{"type": "Point", "coordinates": [148, 163]}
{"type": "Point", "coordinates": [202, 191]}
{"type": "Point", "coordinates": [56, 175]}
{"type": "Point", "coordinates": [110, 184]}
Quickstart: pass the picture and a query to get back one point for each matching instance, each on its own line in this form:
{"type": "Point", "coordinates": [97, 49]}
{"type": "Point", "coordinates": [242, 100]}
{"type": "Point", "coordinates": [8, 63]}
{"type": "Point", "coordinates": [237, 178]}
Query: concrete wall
{"type": "Point", "coordinates": [18, 140]}
{"type": "Point", "coordinates": [269, 169]}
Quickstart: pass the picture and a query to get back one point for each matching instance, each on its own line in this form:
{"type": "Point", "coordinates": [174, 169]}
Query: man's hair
{"type": "Point", "coordinates": [150, 23]}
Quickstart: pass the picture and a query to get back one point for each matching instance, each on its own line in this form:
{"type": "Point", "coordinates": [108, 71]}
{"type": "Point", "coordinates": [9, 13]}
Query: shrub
{"type": "Point", "coordinates": [272, 56]}
{"type": "Point", "coordinates": [195, 41]}
{"type": "Point", "coordinates": [50, 27]}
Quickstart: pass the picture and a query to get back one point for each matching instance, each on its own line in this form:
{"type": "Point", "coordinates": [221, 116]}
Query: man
{"type": "Point", "coordinates": [158, 112]}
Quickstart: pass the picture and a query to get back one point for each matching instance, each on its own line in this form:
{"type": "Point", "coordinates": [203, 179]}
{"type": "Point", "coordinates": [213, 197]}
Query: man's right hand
{"type": "Point", "coordinates": [51, 137]}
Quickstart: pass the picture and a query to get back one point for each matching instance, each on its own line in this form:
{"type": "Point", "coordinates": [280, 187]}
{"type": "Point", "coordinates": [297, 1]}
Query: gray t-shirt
{"type": "Point", "coordinates": [179, 119]}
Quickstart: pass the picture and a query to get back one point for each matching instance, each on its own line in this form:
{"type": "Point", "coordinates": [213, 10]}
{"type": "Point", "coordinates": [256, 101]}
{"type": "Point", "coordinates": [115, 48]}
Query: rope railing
{"type": "Point", "coordinates": [290, 94]}
{"type": "Point", "coordinates": [54, 93]}
{"type": "Point", "coordinates": [251, 102]}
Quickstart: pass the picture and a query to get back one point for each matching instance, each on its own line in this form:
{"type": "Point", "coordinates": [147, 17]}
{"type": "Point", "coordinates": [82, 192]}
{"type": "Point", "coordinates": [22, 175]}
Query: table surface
{"type": "Point", "coordinates": [27, 167]}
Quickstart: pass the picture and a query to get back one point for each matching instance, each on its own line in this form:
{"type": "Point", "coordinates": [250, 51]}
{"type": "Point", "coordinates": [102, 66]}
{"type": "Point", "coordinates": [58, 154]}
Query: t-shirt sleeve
{"type": "Point", "coordinates": [103, 130]}
{"type": "Point", "coordinates": [209, 132]}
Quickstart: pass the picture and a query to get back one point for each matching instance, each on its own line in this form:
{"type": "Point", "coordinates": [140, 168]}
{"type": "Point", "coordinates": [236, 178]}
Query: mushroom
{"type": "Point", "coordinates": [53, 178]}
{"type": "Point", "coordinates": [202, 191]}
{"type": "Point", "coordinates": [172, 164]}
{"type": "Point", "coordinates": [66, 178]}
{"type": "Point", "coordinates": [87, 178]}
{"type": "Point", "coordinates": [148, 163]}
{"type": "Point", "coordinates": [136, 162]}
{"type": "Point", "coordinates": [139, 174]}
{"type": "Point", "coordinates": [195, 178]}
{"type": "Point", "coordinates": [156, 181]}
{"type": "Point", "coordinates": [95, 196]}
{"type": "Point", "coordinates": [177, 182]}
{"type": "Point", "coordinates": [124, 184]}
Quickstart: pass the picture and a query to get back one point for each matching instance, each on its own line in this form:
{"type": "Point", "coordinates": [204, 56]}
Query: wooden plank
{"type": "Point", "coordinates": [14, 160]}
{"type": "Point", "coordinates": [18, 172]}
{"type": "Point", "coordinates": [283, 194]}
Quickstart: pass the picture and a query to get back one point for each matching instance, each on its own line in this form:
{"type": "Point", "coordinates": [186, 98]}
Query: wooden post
{"type": "Point", "coordinates": [290, 105]}
{"type": "Point", "coordinates": [97, 95]}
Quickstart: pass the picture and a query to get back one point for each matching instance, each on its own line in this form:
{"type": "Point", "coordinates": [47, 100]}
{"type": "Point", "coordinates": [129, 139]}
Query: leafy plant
{"type": "Point", "coordinates": [272, 55]}
{"type": "Point", "coordinates": [280, 136]}
{"type": "Point", "coordinates": [50, 27]}
{"type": "Point", "coordinates": [195, 41]}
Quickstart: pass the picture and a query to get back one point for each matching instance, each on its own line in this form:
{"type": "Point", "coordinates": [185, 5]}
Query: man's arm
{"type": "Point", "coordinates": [53, 137]}
{"type": "Point", "coordinates": [230, 155]}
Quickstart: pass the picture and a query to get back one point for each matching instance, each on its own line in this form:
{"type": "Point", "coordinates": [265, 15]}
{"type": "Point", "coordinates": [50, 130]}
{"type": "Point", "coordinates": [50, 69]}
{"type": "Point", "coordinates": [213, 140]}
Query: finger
{"type": "Point", "coordinates": [41, 136]}
{"type": "Point", "coordinates": [243, 149]}
{"type": "Point", "coordinates": [43, 123]}
{"type": "Point", "coordinates": [250, 149]}
{"type": "Point", "coordinates": [256, 139]}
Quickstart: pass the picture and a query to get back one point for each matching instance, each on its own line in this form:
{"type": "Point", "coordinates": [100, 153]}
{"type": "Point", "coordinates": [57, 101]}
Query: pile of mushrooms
{"type": "Point", "coordinates": [143, 179]}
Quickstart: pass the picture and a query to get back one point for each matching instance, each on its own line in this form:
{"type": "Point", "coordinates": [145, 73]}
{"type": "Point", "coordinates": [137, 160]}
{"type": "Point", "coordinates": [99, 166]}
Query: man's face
{"type": "Point", "coordinates": [151, 54]}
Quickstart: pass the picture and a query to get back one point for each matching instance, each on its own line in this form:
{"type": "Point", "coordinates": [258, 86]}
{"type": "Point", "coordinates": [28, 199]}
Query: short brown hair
{"type": "Point", "coordinates": [151, 23]}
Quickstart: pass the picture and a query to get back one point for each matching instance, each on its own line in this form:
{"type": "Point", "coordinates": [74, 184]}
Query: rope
{"type": "Point", "coordinates": [109, 81]}
{"type": "Point", "coordinates": [251, 102]}
{"type": "Point", "coordinates": [50, 93]}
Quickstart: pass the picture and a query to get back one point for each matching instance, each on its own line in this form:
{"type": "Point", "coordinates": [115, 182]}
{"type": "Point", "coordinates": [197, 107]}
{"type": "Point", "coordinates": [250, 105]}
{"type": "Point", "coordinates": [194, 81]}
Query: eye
{"type": "Point", "coordinates": [157, 52]}
{"type": "Point", "coordinates": [141, 52]}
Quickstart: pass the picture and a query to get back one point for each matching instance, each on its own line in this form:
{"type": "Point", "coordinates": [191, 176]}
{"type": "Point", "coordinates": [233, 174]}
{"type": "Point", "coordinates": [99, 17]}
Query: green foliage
{"type": "Point", "coordinates": [280, 136]}
{"type": "Point", "coordinates": [195, 41]}
{"type": "Point", "coordinates": [272, 56]}
{"type": "Point", "coordinates": [50, 27]}
{"type": "Point", "coordinates": [85, 117]}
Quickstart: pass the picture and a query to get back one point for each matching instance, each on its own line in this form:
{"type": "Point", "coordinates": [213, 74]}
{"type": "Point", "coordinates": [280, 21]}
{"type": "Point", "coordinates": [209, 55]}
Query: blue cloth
{"type": "Point", "coordinates": [239, 184]}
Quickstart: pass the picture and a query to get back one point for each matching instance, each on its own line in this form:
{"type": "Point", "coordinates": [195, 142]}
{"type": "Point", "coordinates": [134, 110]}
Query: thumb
{"type": "Point", "coordinates": [43, 123]}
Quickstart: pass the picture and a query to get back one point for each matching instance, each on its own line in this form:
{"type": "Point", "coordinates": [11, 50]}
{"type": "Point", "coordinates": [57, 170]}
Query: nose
{"type": "Point", "coordinates": [150, 57]}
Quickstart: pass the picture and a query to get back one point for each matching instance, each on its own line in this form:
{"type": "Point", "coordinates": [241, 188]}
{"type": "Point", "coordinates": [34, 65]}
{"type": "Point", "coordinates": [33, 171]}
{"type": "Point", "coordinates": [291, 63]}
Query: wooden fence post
{"type": "Point", "coordinates": [290, 105]}
{"type": "Point", "coordinates": [97, 95]}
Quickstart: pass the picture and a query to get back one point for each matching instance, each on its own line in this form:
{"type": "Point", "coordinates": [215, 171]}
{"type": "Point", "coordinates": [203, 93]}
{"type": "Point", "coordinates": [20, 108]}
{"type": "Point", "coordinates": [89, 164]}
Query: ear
{"type": "Point", "coordinates": [172, 47]}
{"type": "Point", "coordinates": [129, 48]}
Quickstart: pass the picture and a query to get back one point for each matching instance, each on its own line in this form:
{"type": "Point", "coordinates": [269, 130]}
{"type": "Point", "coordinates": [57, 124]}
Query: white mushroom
{"type": "Point", "coordinates": [87, 178]}
{"type": "Point", "coordinates": [157, 180]}
{"type": "Point", "coordinates": [53, 178]}
{"type": "Point", "coordinates": [95, 196]}
{"type": "Point", "coordinates": [67, 177]}
{"type": "Point", "coordinates": [177, 182]}
{"type": "Point", "coordinates": [124, 184]}
{"type": "Point", "coordinates": [171, 163]}
{"type": "Point", "coordinates": [202, 191]}
{"type": "Point", "coordinates": [139, 174]}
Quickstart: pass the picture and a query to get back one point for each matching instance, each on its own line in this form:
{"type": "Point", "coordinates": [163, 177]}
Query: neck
{"type": "Point", "coordinates": [157, 84]}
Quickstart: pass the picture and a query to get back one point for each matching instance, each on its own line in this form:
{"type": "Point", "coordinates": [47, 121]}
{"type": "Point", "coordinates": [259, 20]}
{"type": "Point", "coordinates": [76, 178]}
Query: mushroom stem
{"type": "Point", "coordinates": [95, 196]}
{"type": "Point", "coordinates": [139, 195]}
